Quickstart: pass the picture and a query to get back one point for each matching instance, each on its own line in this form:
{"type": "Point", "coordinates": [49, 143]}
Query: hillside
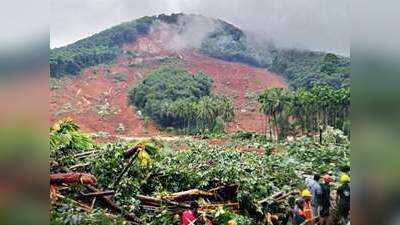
{"type": "Point", "coordinates": [212, 37]}
{"type": "Point", "coordinates": [104, 65]}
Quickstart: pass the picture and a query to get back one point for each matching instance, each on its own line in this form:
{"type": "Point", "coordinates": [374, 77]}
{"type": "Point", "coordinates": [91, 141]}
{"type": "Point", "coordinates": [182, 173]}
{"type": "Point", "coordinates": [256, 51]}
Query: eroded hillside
{"type": "Point", "coordinates": [96, 98]}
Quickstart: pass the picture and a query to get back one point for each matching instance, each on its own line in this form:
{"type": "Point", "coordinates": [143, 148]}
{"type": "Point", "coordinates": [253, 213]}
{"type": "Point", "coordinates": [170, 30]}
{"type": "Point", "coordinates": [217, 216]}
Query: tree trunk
{"type": "Point", "coordinates": [270, 128]}
{"type": "Point", "coordinates": [184, 195]}
{"type": "Point", "coordinates": [320, 135]}
{"type": "Point", "coordinates": [72, 178]}
{"type": "Point", "coordinates": [115, 208]}
{"type": "Point", "coordinates": [276, 127]}
{"type": "Point", "coordinates": [147, 200]}
{"type": "Point", "coordinates": [266, 125]}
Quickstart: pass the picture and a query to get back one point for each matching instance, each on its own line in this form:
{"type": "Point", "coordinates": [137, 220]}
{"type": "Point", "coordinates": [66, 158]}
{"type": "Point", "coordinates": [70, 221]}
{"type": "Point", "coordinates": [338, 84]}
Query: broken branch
{"type": "Point", "coordinates": [193, 193]}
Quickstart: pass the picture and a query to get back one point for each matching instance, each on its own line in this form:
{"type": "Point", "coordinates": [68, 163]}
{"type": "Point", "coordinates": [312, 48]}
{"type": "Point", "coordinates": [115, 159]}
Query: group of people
{"type": "Point", "coordinates": [315, 202]}
{"type": "Point", "coordinates": [313, 206]}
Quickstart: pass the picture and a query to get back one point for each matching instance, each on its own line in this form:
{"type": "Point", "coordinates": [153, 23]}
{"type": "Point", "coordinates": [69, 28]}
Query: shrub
{"type": "Point", "coordinates": [119, 77]}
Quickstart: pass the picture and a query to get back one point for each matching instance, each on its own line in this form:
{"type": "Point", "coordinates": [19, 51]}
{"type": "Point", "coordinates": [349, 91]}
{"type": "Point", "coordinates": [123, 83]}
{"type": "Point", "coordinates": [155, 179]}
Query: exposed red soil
{"type": "Point", "coordinates": [88, 91]}
{"type": "Point", "coordinates": [237, 80]}
{"type": "Point", "coordinates": [80, 97]}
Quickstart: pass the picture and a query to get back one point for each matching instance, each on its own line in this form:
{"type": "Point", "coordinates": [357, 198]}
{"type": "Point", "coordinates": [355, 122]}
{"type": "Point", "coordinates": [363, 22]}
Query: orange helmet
{"type": "Point", "coordinates": [232, 222]}
{"type": "Point", "coordinates": [328, 179]}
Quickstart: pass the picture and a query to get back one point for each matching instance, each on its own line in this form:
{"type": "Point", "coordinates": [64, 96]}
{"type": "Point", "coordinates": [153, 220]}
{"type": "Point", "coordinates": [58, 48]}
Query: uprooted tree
{"type": "Point", "coordinates": [145, 182]}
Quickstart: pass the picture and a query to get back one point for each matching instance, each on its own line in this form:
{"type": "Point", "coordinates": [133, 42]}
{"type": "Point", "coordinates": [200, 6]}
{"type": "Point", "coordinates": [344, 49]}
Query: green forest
{"type": "Point", "coordinates": [305, 69]}
{"type": "Point", "coordinates": [175, 98]}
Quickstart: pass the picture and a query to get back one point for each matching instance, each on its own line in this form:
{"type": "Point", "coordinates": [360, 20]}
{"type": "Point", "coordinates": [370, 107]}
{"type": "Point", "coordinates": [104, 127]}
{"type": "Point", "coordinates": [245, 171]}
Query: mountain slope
{"type": "Point", "coordinates": [106, 64]}
{"type": "Point", "coordinates": [213, 37]}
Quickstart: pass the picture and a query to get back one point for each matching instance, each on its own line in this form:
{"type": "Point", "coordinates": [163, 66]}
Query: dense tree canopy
{"type": "Point", "coordinates": [176, 98]}
{"type": "Point", "coordinates": [305, 69]}
{"type": "Point", "coordinates": [306, 110]}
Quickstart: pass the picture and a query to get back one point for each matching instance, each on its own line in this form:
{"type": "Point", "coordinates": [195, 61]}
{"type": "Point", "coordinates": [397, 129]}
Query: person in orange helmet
{"type": "Point", "coordinates": [325, 198]}
{"type": "Point", "coordinates": [232, 222]}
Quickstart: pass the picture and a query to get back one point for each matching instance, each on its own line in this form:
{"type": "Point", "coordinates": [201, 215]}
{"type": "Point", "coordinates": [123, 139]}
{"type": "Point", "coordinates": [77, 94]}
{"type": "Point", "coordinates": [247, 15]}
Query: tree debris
{"type": "Point", "coordinates": [72, 178]}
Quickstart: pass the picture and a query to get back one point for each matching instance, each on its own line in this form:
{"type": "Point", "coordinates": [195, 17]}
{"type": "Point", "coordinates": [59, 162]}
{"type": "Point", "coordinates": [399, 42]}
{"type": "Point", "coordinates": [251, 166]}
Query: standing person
{"type": "Point", "coordinates": [343, 198]}
{"type": "Point", "coordinates": [315, 188]}
{"type": "Point", "coordinates": [298, 212]}
{"type": "Point", "coordinates": [325, 198]}
{"type": "Point", "coordinates": [189, 215]}
{"type": "Point", "coordinates": [308, 210]}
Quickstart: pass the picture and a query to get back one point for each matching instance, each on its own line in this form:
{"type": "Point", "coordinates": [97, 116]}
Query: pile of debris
{"type": "Point", "coordinates": [224, 196]}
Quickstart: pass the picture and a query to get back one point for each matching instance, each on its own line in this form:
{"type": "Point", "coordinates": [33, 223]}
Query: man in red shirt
{"type": "Point", "coordinates": [189, 216]}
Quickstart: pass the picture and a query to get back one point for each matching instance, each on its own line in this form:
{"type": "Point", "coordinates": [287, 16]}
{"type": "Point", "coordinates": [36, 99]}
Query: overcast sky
{"type": "Point", "coordinates": [312, 24]}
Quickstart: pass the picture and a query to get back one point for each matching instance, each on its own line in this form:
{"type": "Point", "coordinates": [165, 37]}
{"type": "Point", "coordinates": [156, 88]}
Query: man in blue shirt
{"type": "Point", "coordinates": [316, 191]}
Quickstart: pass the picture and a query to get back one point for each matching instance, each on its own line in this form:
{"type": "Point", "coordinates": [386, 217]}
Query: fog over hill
{"type": "Point", "coordinates": [310, 24]}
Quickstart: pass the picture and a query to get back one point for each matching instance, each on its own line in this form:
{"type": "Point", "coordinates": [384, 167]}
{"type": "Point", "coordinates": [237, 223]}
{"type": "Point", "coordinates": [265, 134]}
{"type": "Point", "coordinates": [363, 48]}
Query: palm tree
{"type": "Point", "coordinates": [266, 109]}
{"type": "Point", "coordinates": [273, 103]}
{"type": "Point", "coordinates": [226, 109]}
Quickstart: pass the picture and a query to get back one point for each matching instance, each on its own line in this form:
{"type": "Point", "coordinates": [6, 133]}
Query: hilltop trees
{"type": "Point", "coordinates": [176, 98]}
{"type": "Point", "coordinates": [306, 69]}
{"type": "Point", "coordinates": [308, 111]}
{"type": "Point", "coordinates": [103, 47]}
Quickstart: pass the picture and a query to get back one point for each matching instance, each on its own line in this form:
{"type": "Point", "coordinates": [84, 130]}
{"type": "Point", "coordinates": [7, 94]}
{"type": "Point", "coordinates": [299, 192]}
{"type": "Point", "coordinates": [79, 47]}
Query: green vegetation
{"type": "Point", "coordinates": [309, 111]}
{"type": "Point", "coordinates": [99, 48]}
{"type": "Point", "coordinates": [306, 69]}
{"type": "Point", "coordinates": [66, 213]}
{"type": "Point", "coordinates": [162, 170]}
{"type": "Point", "coordinates": [176, 98]}
{"type": "Point", "coordinates": [66, 140]}
{"type": "Point", "coordinates": [72, 61]}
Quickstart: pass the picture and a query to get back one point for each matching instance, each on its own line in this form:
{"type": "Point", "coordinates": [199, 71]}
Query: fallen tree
{"type": "Point", "coordinates": [157, 186]}
{"type": "Point", "coordinates": [72, 178]}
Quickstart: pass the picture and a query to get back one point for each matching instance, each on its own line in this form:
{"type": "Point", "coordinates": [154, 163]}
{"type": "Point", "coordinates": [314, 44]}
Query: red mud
{"type": "Point", "coordinates": [87, 91]}
{"type": "Point", "coordinates": [81, 96]}
{"type": "Point", "coordinates": [237, 80]}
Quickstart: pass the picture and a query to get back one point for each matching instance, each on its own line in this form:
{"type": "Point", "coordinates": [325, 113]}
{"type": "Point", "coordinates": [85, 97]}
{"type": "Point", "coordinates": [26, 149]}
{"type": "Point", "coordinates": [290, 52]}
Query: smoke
{"type": "Point", "coordinates": [320, 25]}
{"type": "Point", "coordinates": [189, 32]}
